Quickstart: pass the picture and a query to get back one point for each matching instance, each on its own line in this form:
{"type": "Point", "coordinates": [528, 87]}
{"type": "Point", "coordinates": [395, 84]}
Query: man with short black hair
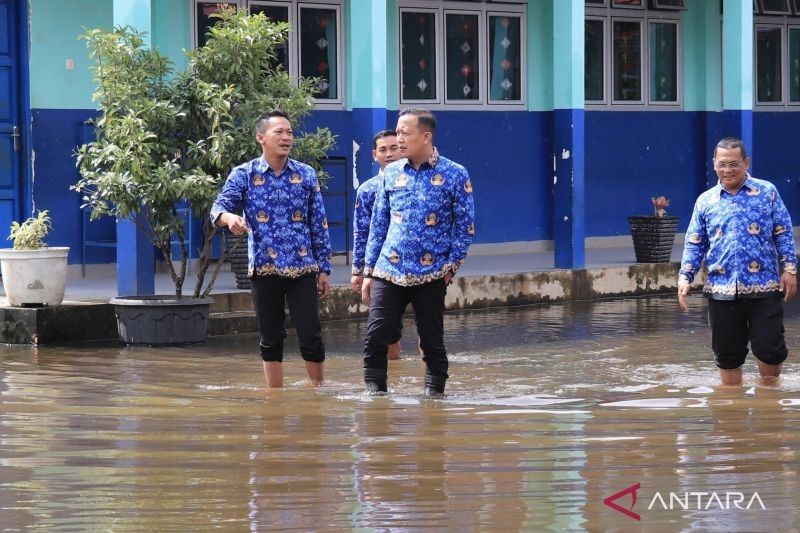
{"type": "Point", "coordinates": [421, 227]}
{"type": "Point", "coordinates": [744, 232]}
{"type": "Point", "coordinates": [288, 244]}
{"type": "Point", "coordinates": [384, 151]}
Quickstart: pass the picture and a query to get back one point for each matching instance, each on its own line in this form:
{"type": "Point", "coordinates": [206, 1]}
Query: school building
{"type": "Point", "coordinates": [569, 114]}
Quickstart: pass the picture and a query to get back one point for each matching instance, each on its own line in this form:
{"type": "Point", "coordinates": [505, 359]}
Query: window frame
{"type": "Point", "coordinates": [483, 10]}
{"type": "Point", "coordinates": [438, 54]}
{"type": "Point", "coordinates": [305, 4]}
{"type": "Point", "coordinates": [293, 42]}
{"type": "Point", "coordinates": [606, 55]}
{"type": "Point", "coordinates": [785, 23]}
{"type": "Point", "coordinates": [678, 74]}
{"type": "Point", "coordinates": [645, 17]}
{"type": "Point", "coordinates": [763, 11]}
{"type": "Point", "coordinates": [523, 57]}
{"type": "Point", "coordinates": [482, 67]}
{"type": "Point", "coordinates": [643, 49]}
{"type": "Point", "coordinates": [656, 5]}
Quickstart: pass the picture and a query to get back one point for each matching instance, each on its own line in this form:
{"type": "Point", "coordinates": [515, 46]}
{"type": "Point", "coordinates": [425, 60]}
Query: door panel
{"type": "Point", "coordinates": [10, 126]}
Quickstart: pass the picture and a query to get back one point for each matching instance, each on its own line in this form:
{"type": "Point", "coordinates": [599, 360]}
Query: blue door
{"type": "Point", "coordinates": [10, 118]}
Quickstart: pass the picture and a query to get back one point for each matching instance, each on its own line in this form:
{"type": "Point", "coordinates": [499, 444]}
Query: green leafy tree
{"type": "Point", "coordinates": [165, 136]}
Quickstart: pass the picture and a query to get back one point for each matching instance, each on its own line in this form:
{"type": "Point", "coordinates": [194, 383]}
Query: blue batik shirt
{"type": "Point", "coordinates": [422, 222]}
{"type": "Point", "coordinates": [288, 231]}
{"type": "Point", "coordinates": [365, 200]}
{"type": "Point", "coordinates": [745, 238]}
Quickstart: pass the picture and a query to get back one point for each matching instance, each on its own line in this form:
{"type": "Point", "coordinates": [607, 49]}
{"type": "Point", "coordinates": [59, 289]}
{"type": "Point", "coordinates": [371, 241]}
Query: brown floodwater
{"type": "Point", "coordinates": [550, 410]}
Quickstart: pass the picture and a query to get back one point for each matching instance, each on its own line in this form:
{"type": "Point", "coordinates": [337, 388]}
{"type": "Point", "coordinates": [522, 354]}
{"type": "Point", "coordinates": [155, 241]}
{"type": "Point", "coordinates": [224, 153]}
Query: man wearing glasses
{"type": "Point", "coordinates": [743, 231]}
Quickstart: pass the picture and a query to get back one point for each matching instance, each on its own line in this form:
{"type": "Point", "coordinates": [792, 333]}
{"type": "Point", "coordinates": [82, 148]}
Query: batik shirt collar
{"type": "Point", "coordinates": [261, 165]}
{"type": "Point", "coordinates": [431, 161]}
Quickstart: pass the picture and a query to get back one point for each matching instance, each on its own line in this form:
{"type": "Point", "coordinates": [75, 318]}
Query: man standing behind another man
{"type": "Point", "coordinates": [743, 231]}
{"type": "Point", "coordinates": [384, 150]}
{"type": "Point", "coordinates": [421, 227]}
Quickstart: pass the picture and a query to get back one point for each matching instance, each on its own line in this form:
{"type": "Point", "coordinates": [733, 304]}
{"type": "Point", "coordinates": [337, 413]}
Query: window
{"type": "Point", "coordinates": [775, 7]}
{"type": "Point", "coordinates": [632, 56]}
{"type": "Point", "coordinates": [461, 54]}
{"type": "Point", "coordinates": [314, 47]}
{"type": "Point", "coordinates": [595, 60]}
{"type": "Point", "coordinates": [777, 56]}
{"type": "Point", "coordinates": [768, 64]}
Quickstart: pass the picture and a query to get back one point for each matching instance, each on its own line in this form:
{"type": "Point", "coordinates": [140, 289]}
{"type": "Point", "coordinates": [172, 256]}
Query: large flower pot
{"type": "Point", "coordinates": [34, 278]}
{"type": "Point", "coordinates": [653, 237]}
{"type": "Point", "coordinates": [161, 320]}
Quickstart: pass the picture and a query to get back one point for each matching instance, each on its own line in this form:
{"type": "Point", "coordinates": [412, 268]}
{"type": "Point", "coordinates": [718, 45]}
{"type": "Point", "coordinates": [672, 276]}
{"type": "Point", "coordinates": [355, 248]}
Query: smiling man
{"type": "Point", "coordinates": [743, 231]}
{"type": "Point", "coordinates": [421, 227]}
{"type": "Point", "coordinates": [288, 244]}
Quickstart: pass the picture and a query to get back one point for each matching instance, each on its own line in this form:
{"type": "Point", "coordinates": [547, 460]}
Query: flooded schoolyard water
{"type": "Point", "coordinates": [550, 410]}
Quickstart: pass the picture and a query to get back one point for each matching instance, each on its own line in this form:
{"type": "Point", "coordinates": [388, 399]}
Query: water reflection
{"type": "Point", "coordinates": [551, 409]}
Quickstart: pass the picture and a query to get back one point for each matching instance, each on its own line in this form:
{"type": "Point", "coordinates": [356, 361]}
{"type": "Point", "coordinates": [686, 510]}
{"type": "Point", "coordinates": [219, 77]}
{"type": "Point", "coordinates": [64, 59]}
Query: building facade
{"type": "Point", "coordinates": [569, 114]}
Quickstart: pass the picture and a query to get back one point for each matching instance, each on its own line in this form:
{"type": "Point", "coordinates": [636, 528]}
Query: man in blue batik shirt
{"type": "Point", "coordinates": [743, 231]}
{"type": "Point", "coordinates": [288, 244]}
{"type": "Point", "coordinates": [421, 227]}
{"type": "Point", "coordinates": [384, 151]}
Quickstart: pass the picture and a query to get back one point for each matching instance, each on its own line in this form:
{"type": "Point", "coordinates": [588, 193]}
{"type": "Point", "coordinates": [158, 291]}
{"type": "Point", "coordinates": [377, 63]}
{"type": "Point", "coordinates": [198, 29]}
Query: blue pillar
{"type": "Point", "coordinates": [135, 252]}
{"type": "Point", "coordinates": [371, 48]}
{"type": "Point", "coordinates": [738, 50]}
{"type": "Point", "coordinates": [568, 134]}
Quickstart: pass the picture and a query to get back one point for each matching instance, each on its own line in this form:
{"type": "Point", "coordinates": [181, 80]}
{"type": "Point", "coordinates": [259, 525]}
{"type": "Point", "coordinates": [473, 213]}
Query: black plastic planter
{"type": "Point", "coordinates": [161, 320]}
{"type": "Point", "coordinates": [653, 237]}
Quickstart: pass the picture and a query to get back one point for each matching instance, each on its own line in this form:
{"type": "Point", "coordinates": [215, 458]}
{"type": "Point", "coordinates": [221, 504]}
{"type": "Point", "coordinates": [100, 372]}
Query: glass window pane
{"type": "Point", "coordinates": [627, 61]}
{"type": "Point", "coordinates": [601, 2]}
{"type": "Point", "coordinates": [276, 14]}
{"type": "Point", "coordinates": [669, 4]}
{"type": "Point", "coordinates": [663, 62]}
{"type": "Point", "coordinates": [775, 6]}
{"type": "Point", "coordinates": [797, 7]}
{"type": "Point", "coordinates": [624, 3]}
{"type": "Point", "coordinates": [204, 21]}
{"type": "Point", "coordinates": [593, 66]}
{"type": "Point", "coordinates": [505, 60]}
{"type": "Point", "coordinates": [418, 55]}
{"type": "Point", "coordinates": [318, 43]}
{"type": "Point", "coordinates": [768, 64]}
{"type": "Point", "coordinates": [794, 64]}
{"type": "Point", "coordinates": [461, 47]}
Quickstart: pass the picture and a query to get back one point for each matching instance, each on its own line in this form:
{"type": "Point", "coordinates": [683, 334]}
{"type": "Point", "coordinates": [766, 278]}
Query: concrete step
{"type": "Point", "coordinates": [232, 322]}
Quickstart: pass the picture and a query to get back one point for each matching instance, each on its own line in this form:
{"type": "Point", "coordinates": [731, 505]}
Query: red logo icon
{"type": "Point", "coordinates": [627, 511]}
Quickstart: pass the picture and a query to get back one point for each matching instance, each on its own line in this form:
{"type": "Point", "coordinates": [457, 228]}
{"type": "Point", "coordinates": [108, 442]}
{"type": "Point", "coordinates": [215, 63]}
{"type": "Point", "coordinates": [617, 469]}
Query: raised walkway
{"type": "Point", "coordinates": [483, 281]}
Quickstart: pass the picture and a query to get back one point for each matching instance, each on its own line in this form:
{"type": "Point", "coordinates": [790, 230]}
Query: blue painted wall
{"type": "Point", "coordinates": [633, 156]}
{"type": "Point", "coordinates": [775, 155]}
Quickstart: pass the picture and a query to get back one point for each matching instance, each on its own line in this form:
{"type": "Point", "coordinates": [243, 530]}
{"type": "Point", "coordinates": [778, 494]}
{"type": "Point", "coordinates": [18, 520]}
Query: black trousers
{"type": "Point", "coordinates": [758, 321]}
{"type": "Point", "coordinates": [389, 301]}
{"type": "Point", "coordinates": [270, 294]}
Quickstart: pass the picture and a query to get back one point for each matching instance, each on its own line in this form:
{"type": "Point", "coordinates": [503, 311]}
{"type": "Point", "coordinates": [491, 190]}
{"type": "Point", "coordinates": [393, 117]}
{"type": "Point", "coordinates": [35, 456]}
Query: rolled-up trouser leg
{"type": "Point", "coordinates": [428, 302]}
{"type": "Point", "coordinates": [388, 301]}
{"type": "Point", "coordinates": [269, 296]}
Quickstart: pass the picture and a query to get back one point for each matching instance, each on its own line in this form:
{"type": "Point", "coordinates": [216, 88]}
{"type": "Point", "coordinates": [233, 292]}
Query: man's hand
{"type": "Point", "coordinates": [788, 285]}
{"type": "Point", "coordinates": [235, 223]}
{"type": "Point", "coordinates": [355, 283]}
{"type": "Point", "coordinates": [683, 291]}
{"type": "Point", "coordinates": [323, 285]}
{"type": "Point", "coordinates": [366, 289]}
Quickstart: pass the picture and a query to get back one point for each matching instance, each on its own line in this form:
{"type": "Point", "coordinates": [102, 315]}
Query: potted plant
{"type": "Point", "coordinates": [167, 138]}
{"type": "Point", "coordinates": [34, 274]}
{"type": "Point", "coordinates": [654, 235]}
